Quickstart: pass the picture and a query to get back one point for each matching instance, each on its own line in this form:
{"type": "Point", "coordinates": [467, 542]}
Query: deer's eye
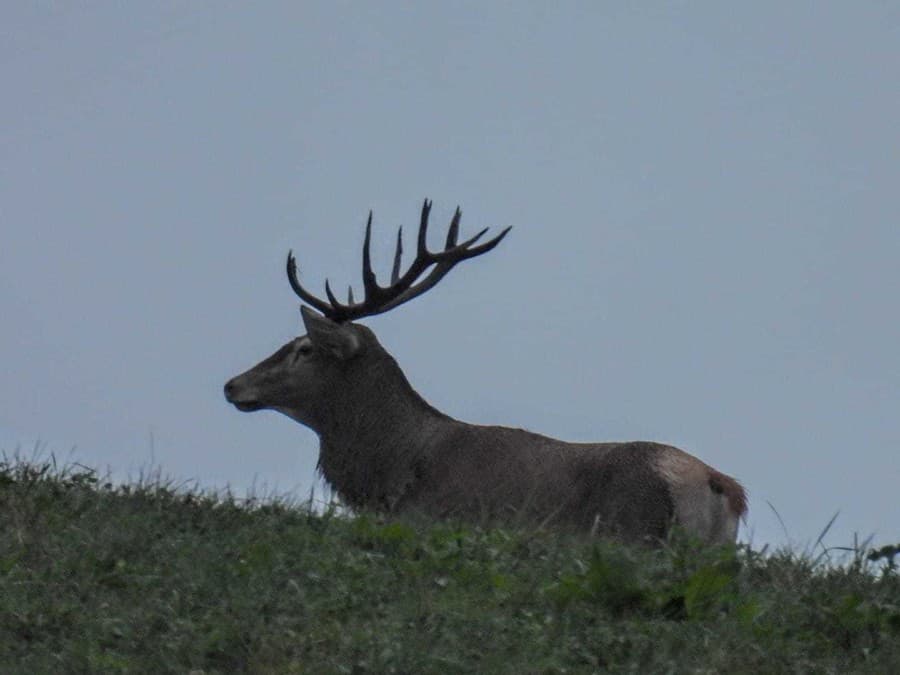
{"type": "Point", "coordinates": [305, 348]}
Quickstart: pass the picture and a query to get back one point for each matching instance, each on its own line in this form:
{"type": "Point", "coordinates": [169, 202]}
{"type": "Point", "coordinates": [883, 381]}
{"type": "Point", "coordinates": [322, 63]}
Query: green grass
{"type": "Point", "coordinates": [148, 579]}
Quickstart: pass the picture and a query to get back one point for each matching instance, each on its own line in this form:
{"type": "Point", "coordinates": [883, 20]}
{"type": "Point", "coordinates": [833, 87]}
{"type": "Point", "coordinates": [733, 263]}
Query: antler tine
{"type": "Point", "coordinates": [486, 246]}
{"type": "Point", "coordinates": [370, 283]}
{"type": "Point", "coordinates": [453, 232]}
{"type": "Point", "coordinates": [395, 272]}
{"type": "Point", "coordinates": [333, 300]}
{"type": "Point", "coordinates": [305, 295]}
{"type": "Point", "coordinates": [422, 243]}
{"type": "Point", "coordinates": [349, 295]}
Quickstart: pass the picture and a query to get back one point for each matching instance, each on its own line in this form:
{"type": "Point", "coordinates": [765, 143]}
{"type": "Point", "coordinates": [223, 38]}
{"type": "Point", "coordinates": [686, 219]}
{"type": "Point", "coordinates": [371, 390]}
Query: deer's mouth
{"type": "Point", "coordinates": [247, 406]}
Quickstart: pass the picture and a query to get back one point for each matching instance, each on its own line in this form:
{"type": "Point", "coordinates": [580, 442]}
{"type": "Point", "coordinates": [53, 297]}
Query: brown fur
{"type": "Point", "coordinates": [384, 447]}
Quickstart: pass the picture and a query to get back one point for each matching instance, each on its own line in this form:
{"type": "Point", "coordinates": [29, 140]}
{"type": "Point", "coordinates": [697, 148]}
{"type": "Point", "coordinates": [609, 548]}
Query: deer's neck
{"type": "Point", "coordinates": [376, 436]}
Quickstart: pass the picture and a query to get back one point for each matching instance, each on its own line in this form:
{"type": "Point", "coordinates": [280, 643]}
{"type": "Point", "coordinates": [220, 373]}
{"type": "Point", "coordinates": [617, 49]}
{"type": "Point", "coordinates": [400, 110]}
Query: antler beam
{"type": "Point", "coordinates": [403, 288]}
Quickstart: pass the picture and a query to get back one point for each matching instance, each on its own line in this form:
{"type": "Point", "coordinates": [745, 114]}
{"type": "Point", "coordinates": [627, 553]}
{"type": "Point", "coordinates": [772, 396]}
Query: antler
{"type": "Point", "coordinates": [403, 288]}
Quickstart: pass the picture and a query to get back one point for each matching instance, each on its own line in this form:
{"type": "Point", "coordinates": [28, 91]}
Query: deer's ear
{"type": "Point", "coordinates": [337, 339]}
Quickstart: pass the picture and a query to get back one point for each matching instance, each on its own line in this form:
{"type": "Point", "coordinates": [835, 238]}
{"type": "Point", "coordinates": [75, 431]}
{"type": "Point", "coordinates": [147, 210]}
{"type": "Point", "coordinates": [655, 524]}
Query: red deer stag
{"type": "Point", "coordinates": [383, 447]}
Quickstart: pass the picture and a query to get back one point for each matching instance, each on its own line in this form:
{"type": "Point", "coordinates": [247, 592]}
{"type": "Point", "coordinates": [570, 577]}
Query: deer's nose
{"type": "Point", "coordinates": [229, 390]}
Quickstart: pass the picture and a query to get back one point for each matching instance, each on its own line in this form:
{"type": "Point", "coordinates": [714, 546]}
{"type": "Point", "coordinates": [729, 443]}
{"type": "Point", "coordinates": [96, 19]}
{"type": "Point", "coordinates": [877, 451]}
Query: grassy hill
{"type": "Point", "coordinates": [147, 579]}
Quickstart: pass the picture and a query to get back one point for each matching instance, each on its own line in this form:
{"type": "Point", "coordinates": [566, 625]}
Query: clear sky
{"type": "Point", "coordinates": [705, 244]}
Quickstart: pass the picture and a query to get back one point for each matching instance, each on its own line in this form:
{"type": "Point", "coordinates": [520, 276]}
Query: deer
{"type": "Point", "coordinates": [382, 447]}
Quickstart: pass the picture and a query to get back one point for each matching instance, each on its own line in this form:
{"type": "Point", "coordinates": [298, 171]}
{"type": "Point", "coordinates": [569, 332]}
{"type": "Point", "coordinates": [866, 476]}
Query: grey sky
{"type": "Point", "coordinates": [704, 252]}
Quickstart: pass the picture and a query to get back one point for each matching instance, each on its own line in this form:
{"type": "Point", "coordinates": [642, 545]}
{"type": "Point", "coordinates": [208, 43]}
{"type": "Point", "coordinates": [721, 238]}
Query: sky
{"type": "Point", "coordinates": [704, 200]}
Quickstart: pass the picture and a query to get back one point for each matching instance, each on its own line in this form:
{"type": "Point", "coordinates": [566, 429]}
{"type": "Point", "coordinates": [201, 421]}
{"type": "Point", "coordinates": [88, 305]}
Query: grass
{"type": "Point", "coordinates": [147, 578]}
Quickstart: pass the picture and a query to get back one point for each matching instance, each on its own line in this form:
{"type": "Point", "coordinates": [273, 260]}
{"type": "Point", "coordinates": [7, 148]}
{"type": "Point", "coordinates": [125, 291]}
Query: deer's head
{"type": "Point", "coordinates": [313, 374]}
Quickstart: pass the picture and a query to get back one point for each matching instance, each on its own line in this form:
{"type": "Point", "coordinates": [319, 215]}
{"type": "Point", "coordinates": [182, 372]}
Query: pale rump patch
{"type": "Point", "coordinates": [707, 503]}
